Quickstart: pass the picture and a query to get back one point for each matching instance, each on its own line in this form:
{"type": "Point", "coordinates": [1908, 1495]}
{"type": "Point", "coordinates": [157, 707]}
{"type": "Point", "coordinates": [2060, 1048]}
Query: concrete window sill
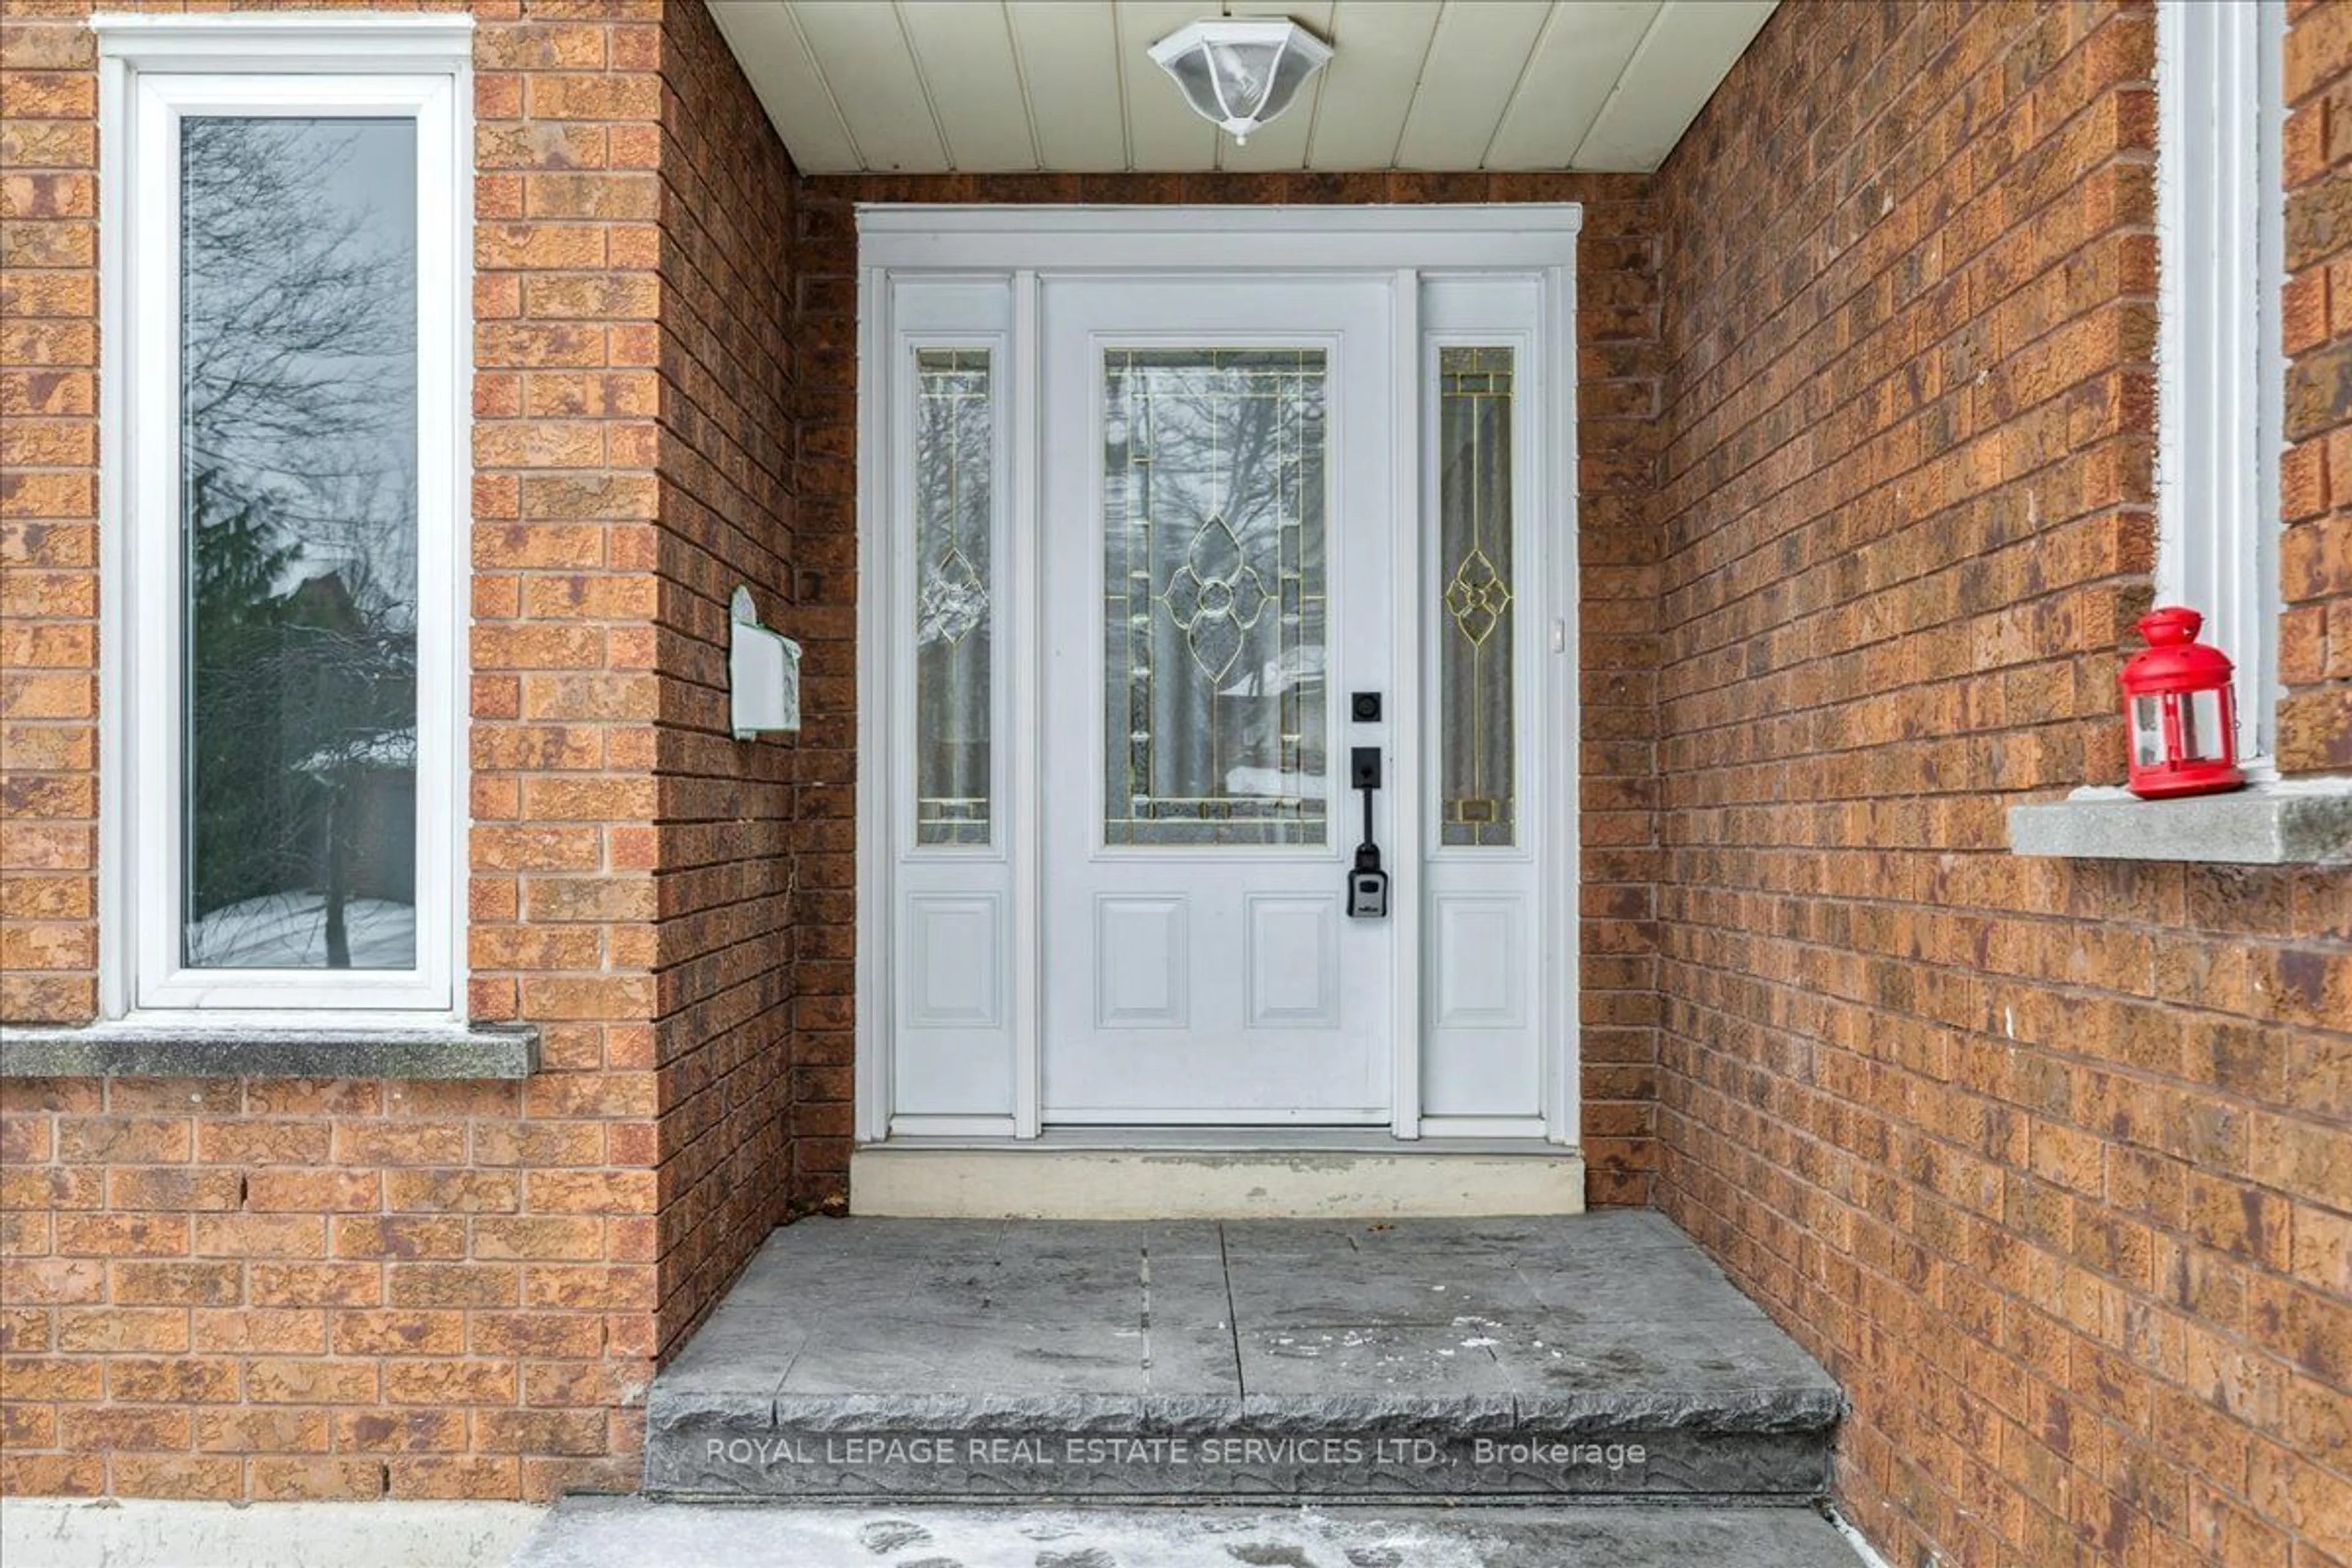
{"type": "Point", "coordinates": [361, 1050]}
{"type": "Point", "coordinates": [2292, 822]}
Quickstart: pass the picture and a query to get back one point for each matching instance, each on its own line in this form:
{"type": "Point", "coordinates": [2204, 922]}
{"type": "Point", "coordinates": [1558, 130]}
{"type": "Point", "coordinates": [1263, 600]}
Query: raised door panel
{"type": "Point", "coordinates": [1143, 974]}
{"type": "Point", "coordinates": [952, 1054]}
{"type": "Point", "coordinates": [1481, 961]}
{"type": "Point", "coordinates": [955, 959]}
{"type": "Point", "coordinates": [1292, 949]}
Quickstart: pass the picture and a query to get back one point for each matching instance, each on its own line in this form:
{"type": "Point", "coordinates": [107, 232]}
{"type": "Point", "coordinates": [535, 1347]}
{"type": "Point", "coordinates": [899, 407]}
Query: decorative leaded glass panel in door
{"type": "Point", "coordinates": [1214, 614]}
{"type": "Point", "coordinates": [1477, 800]}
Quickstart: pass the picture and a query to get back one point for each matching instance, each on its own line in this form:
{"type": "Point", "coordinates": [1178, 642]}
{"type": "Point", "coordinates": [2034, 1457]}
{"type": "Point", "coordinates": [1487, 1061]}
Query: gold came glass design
{"type": "Point", "coordinates": [954, 600]}
{"type": "Point", "coordinates": [1213, 596]}
{"type": "Point", "coordinates": [1478, 597]}
{"type": "Point", "coordinates": [1477, 801]}
{"type": "Point", "coordinates": [955, 443]}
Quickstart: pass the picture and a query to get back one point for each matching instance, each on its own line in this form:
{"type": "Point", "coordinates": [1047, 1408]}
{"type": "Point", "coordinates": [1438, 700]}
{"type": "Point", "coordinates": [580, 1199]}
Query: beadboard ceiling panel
{"type": "Point", "coordinates": [1468, 78]}
{"type": "Point", "coordinates": [1670, 76]}
{"type": "Point", "coordinates": [1163, 132]}
{"type": "Point", "coordinates": [1067, 86]}
{"type": "Point", "coordinates": [1081, 126]}
{"type": "Point", "coordinates": [1368, 88]}
{"type": "Point", "coordinates": [1579, 56]}
{"type": "Point", "coordinates": [968, 65]}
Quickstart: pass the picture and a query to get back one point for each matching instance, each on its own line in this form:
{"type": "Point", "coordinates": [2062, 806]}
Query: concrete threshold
{"type": "Point", "coordinates": [900, 1180]}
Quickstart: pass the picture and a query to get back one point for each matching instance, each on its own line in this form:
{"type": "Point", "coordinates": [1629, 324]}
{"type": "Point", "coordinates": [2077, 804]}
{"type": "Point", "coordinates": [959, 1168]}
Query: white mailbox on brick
{"type": "Point", "coordinates": [763, 673]}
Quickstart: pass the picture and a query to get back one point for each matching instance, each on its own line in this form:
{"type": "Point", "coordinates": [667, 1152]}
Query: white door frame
{"type": "Point", "coordinates": [1018, 243]}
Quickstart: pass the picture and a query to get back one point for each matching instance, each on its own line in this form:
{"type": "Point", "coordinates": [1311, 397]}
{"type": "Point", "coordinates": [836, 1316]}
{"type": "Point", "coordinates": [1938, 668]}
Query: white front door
{"type": "Point", "coordinates": [1147, 497]}
{"type": "Point", "coordinates": [1218, 546]}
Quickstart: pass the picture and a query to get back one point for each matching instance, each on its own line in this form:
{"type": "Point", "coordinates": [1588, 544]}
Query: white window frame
{"type": "Point", "coordinates": [2221, 367]}
{"type": "Point", "coordinates": [153, 72]}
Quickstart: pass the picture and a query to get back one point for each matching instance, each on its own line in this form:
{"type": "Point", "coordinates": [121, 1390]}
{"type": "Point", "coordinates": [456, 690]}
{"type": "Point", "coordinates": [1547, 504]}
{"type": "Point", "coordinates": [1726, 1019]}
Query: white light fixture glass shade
{"type": "Point", "coordinates": [1241, 73]}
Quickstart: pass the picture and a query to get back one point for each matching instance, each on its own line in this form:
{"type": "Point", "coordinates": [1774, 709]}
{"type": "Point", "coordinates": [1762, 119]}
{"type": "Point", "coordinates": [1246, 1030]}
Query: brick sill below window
{"type": "Point", "coordinates": [2288, 822]}
{"type": "Point", "coordinates": [359, 1050]}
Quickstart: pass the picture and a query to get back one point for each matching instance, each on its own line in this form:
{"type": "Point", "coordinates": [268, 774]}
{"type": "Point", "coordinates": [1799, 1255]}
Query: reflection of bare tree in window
{"type": "Point", "coordinates": [298, 438]}
{"type": "Point", "coordinates": [954, 443]}
{"type": "Point", "coordinates": [1214, 573]}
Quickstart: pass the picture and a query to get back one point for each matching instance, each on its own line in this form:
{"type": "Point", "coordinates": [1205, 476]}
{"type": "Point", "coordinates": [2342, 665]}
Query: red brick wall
{"type": "Point", "coordinates": [354, 1289]}
{"type": "Point", "coordinates": [48, 522]}
{"type": "Point", "coordinates": [1617, 335]}
{"type": "Point", "coordinates": [2046, 1160]}
{"type": "Point", "coordinates": [2315, 630]}
{"type": "Point", "coordinates": [567, 533]}
{"type": "Point", "coordinates": [726, 453]}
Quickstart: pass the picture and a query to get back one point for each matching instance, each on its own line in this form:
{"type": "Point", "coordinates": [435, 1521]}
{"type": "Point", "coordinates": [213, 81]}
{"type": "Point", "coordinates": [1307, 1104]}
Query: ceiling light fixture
{"type": "Point", "coordinates": [1240, 73]}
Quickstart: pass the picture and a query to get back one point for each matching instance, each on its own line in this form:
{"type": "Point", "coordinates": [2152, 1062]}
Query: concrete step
{"type": "Point", "coordinates": [631, 1533]}
{"type": "Point", "coordinates": [1596, 1356]}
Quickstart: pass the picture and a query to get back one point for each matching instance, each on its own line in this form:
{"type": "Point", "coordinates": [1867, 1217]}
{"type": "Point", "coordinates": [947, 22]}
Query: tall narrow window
{"type": "Point", "coordinates": [288, 577]}
{"type": "Point", "coordinates": [955, 446]}
{"type": "Point", "coordinates": [1477, 798]}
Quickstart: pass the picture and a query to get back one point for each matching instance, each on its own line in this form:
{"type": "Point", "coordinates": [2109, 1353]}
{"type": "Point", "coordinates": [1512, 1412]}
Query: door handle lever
{"type": "Point", "coordinates": [1368, 885]}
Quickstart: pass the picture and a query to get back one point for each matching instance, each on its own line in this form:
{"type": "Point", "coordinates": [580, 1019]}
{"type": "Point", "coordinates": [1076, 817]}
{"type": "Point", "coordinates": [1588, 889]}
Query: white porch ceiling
{"type": "Point", "coordinates": [1066, 86]}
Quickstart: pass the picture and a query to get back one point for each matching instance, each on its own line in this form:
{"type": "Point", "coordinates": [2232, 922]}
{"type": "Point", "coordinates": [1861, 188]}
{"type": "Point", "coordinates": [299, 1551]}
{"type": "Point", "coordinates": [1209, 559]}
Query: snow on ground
{"type": "Point", "coordinates": [289, 930]}
{"type": "Point", "coordinates": [631, 1533]}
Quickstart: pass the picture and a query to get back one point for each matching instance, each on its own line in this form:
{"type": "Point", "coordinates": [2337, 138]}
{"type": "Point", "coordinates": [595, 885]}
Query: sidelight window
{"type": "Point", "coordinates": [1477, 804]}
{"type": "Point", "coordinates": [955, 446]}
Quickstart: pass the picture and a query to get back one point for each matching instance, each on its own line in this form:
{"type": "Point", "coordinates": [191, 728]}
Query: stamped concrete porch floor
{"type": "Point", "coordinates": [1599, 1355]}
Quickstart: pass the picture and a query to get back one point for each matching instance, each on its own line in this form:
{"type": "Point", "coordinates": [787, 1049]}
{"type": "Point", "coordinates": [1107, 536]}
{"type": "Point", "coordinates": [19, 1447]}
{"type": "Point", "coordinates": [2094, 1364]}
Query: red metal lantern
{"type": "Point", "coordinates": [2179, 710]}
